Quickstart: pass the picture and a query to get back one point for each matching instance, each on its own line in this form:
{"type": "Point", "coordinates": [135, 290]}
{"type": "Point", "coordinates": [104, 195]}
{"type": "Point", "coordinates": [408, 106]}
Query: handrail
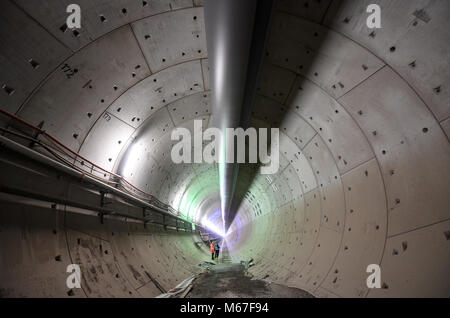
{"type": "Point", "coordinates": [77, 155]}
{"type": "Point", "coordinates": [157, 204]}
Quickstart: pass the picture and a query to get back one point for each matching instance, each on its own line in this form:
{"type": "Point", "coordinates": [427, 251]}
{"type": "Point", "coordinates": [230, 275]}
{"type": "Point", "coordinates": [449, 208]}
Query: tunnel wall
{"type": "Point", "coordinates": [363, 115]}
{"type": "Point", "coordinates": [372, 129]}
{"type": "Point", "coordinates": [117, 259]}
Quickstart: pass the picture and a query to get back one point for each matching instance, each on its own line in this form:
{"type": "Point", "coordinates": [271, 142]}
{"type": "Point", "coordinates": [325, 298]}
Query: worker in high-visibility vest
{"type": "Point", "coordinates": [213, 245]}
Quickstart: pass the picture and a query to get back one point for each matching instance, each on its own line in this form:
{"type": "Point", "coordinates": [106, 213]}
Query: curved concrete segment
{"type": "Point", "coordinates": [364, 176]}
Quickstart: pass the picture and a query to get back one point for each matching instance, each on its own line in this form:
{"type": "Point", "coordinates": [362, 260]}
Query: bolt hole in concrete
{"type": "Point", "coordinates": [8, 90]}
{"type": "Point", "coordinates": [33, 63]}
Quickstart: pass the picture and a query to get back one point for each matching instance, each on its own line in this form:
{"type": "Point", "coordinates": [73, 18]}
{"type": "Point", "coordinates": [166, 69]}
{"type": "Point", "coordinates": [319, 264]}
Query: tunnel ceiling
{"type": "Point", "coordinates": [364, 118]}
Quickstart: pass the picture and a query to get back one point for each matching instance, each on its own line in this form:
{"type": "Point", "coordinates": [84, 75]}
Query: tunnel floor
{"type": "Point", "coordinates": [231, 280]}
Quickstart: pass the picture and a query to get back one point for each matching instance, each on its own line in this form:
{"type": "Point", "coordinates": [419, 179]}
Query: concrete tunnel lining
{"type": "Point", "coordinates": [364, 146]}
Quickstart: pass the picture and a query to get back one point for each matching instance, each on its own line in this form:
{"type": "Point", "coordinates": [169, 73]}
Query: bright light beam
{"type": "Point", "coordinates": [211, 226]}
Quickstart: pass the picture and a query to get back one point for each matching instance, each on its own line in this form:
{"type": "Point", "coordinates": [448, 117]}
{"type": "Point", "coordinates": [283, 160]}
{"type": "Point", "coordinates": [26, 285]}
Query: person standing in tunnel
{"type": "Point", "coordinates": [213, 244]}
{"type": "Point", "coordinates": [217, 250]}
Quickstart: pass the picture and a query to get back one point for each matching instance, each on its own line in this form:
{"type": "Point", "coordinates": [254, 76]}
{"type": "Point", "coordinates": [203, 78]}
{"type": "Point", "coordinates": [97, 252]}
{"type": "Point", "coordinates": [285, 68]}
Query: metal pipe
{"type": "Point", "coordinates": [47, 198]}
{"type": "Point", "coordinates": [12, 145]}
{"type": "Point", "coordinates": [235, 33]}
{"type": "Point", "coordinates": [39, 131]}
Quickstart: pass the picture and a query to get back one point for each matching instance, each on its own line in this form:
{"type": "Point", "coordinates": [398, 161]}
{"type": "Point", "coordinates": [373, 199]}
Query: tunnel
{"type": "Point", "coordinates": [86, 120]}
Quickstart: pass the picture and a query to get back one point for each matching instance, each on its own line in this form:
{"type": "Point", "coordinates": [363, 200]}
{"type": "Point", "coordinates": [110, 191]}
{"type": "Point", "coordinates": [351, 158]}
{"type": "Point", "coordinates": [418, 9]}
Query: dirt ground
{"type": "Point", "coordinates": [230, 281]}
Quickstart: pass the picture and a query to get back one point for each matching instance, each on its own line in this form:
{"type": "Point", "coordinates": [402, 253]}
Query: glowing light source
{"type": "Point", "coordinates": [213, 227]}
